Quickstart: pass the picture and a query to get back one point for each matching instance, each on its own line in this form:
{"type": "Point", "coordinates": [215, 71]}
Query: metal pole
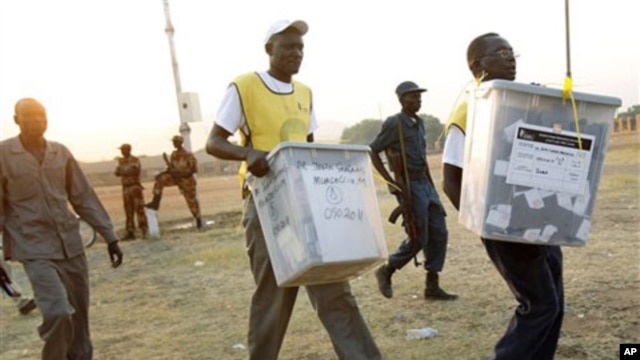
{"type": "Point", "coordinates": [567, 37]}
{"type": "Point", "coordinates": [184, 128]}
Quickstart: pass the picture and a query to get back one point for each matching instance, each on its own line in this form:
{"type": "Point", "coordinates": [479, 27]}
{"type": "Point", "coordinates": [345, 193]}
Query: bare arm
{"type": "Point", "coordinates": [219, 146]}
{"type": "Point", "coordinates": [377, 163]}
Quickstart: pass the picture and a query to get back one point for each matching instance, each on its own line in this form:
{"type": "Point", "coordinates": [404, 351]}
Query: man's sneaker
{"type": "Point", "coordinates": [27, 307]}
{"type": "Point", "coordinates": [383, 276]}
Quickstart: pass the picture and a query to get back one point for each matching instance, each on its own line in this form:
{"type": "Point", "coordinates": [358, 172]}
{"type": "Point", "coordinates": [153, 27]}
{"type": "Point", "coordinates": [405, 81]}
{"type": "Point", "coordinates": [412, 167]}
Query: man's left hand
{"type": "Point", "coordinates": [115, 254]}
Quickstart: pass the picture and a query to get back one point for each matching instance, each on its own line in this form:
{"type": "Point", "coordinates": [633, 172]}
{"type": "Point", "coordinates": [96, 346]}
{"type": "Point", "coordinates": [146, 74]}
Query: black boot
{"type": "Point", "coordinates": [433, 290]}
{"type": "Point", "coordinates": [155, 203]}
{"type": "Point", "coordinates": [198, 223]}
{"type": "Point", "coordinates": [130, 236]}
{"type": "Point", "coordinates": [383, 276]}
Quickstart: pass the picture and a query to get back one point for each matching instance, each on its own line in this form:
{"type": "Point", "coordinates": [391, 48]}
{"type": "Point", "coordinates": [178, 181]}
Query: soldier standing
{"type": "Point", "coordinates": [180, 172]}
{"type": "Point", "coordinates": [132, 191]}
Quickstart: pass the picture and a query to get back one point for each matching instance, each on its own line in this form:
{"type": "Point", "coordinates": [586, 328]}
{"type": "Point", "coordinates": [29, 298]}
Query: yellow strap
{"type": "Point", "coordinates": [376, 174]}
{"type": "Point", "coordinates": [567, 92]}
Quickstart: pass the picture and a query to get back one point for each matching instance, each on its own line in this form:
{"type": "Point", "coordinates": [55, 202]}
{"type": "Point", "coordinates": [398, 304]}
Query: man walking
{"type": "Point", "coordinates": [269, 107]}
{"type": "Point", "coordinates": [532, 272]}
{"type": "Point", "coordinates": [402, 138]}
{"type": "Point", "coordinates": [40, 178]}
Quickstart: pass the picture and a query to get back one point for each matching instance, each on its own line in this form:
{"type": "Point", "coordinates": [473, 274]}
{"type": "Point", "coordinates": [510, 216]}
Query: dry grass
{"type": "Point", "coordinates": [160, 305]}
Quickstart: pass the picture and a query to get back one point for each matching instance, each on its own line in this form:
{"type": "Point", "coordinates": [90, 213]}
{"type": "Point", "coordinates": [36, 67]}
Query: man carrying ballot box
{"type": "Point", "coordinates": [268, 108]}
{"type": "Point", "coordinates": [532, 272]}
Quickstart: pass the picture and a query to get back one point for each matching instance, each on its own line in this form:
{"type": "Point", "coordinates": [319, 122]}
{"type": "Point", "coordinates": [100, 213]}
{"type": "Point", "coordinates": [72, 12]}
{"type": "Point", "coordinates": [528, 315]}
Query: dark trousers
{"type": "Point", "coordinates": [431, 227]}
{"type": "Point", "coordinates": [272, 306]}
{"type": "Point", "coordinates": [61, 291]}
{"type": "Point", "coordinates": [534, 275]}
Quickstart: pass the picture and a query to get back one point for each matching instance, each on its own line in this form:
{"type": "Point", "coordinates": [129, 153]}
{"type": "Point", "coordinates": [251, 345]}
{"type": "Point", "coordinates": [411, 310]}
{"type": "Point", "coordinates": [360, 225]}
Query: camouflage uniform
{"type": "Point", "coordinates": [132, 192]}
{"type": "Point", "coordinates": [181, 171]}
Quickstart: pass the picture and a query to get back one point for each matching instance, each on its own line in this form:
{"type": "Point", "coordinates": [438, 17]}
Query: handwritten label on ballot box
{"type": "Point", "coordinates": [319, 213]}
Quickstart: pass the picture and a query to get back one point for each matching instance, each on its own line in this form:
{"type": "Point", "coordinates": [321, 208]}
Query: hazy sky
{"type": "Point", "coordinates": [103, 70]}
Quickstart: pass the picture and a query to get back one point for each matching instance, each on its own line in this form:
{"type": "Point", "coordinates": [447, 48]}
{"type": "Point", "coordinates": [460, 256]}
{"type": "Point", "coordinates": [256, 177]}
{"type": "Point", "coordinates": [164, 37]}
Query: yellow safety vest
{"type": "Point", "coordinates": [458, 118]}
{"type": "Point", "coordinates": [272, 117]}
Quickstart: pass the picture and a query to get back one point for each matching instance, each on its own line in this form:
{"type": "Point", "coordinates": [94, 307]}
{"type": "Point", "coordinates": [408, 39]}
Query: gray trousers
{"type": "Point", "coordinates": [271, 306]}
{"type": "Point", "coordinates": [61, 291]}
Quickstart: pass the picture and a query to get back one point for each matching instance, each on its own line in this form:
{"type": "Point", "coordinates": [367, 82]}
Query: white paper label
{"type": "Point", "coordinates": [500, 168]}
{"type": "Point", "coordinates": [534, 199]}
{"type": "Point", "coordinates": [531, 234]}
{"type": "Point", "coordinates": [583, 230]}
{"type": "Point", "coordinates": [543, 159]}
{"type": "Point", "coordinates": [564, 201]}
{"type": "Point", "coordinates": [548, 232]}
{"type": "Point", "coordinates": [499, 216]}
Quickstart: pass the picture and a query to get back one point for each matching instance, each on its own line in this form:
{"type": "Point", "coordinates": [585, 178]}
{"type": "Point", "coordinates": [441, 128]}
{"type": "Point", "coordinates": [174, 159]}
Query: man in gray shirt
{"type": "Point", "coordinates": [39, 179]}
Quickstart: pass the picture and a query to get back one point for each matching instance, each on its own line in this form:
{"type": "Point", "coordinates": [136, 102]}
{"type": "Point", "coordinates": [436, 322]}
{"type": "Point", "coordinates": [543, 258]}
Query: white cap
{"type": "Point", "coordinates": [282, 25]}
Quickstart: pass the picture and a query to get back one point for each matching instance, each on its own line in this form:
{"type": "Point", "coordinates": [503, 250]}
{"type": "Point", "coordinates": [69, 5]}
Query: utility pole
{"type": "Point", "coordinates": [184, 128]}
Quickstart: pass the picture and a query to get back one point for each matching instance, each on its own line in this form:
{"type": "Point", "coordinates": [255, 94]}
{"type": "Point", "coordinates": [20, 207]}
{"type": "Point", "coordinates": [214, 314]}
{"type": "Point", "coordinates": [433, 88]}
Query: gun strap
{"type": "Point", "coordinates": [403, 155]}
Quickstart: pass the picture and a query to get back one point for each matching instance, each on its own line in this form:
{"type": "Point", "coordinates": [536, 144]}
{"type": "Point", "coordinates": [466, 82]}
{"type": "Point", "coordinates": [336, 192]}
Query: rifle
{"type": "Point", "coordinates": [170, 168]}
{"type": "Point", "coordinates": [5, 283]}
{"type": "Point", "coordinates": [403, 196]}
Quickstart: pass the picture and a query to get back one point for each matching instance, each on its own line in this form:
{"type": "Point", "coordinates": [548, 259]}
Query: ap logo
{"type": "Point", "coordinates": [629, 351]}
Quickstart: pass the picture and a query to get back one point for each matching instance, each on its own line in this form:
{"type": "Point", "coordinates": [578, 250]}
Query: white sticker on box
{"type": "Point", "coordinates": [581, 203]}
{"type": "Point", "coordinates": [504, 208]}
{"type": "Point", "coordinates": [531, 234]}
{"type": "Point", "coordinates": [546, 193]}
{"type": "Point", "coordinates": [564, 201]}
{"type": "Point", "coordinates": [583, 230]}
{"type": "Point", "coordinates": [498, 218]}
{"type": "Point", "coordinates": [544, 159]}
{"type": "Point", "coordinates": [547, 233]}
{"type": "Point", "coordinates": [500, 168]}
{"type": "Point", "coordinates": [534, 199]}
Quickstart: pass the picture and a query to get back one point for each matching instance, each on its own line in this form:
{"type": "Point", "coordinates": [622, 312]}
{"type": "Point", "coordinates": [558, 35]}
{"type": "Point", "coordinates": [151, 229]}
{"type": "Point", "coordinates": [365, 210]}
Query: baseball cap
{"type": "Point", "coordinates": [282, 25]}
{"type": "Point", "coordinates": [177, 138]}
{"type": "Point", "coordinates": [123, 146]}
{"type": "Point", "coordinates": [407, 87]}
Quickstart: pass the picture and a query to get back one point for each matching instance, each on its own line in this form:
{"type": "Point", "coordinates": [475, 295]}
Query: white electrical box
{"type": "Point", "coordinates": [190, 107]}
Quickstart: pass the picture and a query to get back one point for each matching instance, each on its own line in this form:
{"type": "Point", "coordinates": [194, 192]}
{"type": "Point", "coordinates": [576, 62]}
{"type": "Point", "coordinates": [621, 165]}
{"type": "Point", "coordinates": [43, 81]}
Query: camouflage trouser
{"type": "Point", "coordinates": [133, 198]}
{"type": "Point", "coordinates": [187, 186]}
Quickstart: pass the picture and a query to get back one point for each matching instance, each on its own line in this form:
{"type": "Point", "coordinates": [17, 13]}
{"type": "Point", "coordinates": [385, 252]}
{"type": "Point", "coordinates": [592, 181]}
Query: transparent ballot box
{"type": "Point", "coordinates": [319, 213]}
{"type": "Point", "coordinates": [531, 171]}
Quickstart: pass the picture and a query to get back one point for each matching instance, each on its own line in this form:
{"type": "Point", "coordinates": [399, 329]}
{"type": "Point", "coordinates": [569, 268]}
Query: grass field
{"type": "Point", "coordinates": [186, 295]}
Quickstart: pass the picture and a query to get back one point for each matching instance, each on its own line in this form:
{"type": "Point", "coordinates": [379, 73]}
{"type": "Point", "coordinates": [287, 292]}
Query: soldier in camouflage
{"type": "Point", "coordinates": [132, 191]}
{"type": "Point", "coordinates": [180, 172]}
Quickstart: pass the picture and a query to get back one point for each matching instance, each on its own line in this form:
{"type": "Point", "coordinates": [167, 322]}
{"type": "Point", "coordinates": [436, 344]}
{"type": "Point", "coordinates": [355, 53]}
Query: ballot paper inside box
{"type": "Point", "coordinates": [319, 213]}
{"type": "Point", "coordinates": [531, 171]}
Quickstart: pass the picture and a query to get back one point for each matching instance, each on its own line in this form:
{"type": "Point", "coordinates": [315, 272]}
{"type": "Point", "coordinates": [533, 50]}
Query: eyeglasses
{"type": "Point", "coordinates": [504, 54]}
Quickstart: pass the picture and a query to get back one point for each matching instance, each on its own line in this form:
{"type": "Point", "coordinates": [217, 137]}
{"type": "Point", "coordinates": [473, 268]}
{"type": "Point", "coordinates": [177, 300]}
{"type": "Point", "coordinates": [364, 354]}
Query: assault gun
{"type": "Point", "coordinates": [5, 283]}
{"type": "Point", "coordinates": [403, 196]}
{"type": "Point", "coordinates": [170, 168]}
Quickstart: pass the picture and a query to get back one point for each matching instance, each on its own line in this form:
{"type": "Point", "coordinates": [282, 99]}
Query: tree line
{"type": "Point", "coordinates": [366, 130]}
